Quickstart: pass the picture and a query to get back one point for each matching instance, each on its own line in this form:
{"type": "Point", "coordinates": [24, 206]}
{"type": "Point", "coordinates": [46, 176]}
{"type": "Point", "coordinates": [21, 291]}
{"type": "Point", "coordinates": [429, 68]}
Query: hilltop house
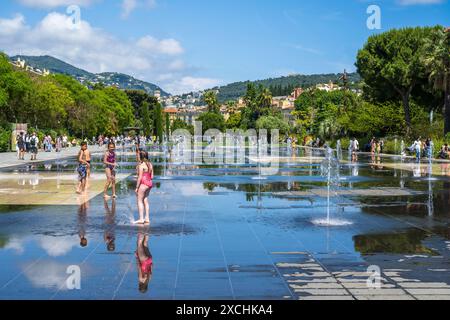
{"type": "Point", "coordinates": [21, 64]}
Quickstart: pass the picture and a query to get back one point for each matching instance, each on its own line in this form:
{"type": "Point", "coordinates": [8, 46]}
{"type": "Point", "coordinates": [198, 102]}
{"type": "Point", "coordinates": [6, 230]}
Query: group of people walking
{"type": "Point", "coordinates": [27, 143]}
{"type": "Point", "coordinates": [30, 143]}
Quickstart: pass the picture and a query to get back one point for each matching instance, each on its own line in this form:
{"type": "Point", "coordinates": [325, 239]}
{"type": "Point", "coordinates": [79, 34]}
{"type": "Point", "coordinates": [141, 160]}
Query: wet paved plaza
{"type": "Point", "coordinates": [219, 233]}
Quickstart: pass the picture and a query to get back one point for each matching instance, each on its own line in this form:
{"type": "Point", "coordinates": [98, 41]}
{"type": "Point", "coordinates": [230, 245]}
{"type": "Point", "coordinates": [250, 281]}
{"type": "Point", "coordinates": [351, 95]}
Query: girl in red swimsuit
{"type": "Point", "coordinates": [143, 187]}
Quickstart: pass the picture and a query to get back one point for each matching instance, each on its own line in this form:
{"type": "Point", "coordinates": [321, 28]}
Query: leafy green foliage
{"type": "Point", "coordinates": [391, 65]}
{"type": "Point", "coordinates": [272, 123]}
{"type": "Point", "coordinates": [210, 99]}
{"type": "Point", "coordinates": [212, 120]}
{"type": "Point", "coordinates": [180, 124]}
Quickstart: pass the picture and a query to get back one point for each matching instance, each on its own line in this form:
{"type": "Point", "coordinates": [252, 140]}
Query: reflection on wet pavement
{"type": "Point", "coordinates": [216, 233]}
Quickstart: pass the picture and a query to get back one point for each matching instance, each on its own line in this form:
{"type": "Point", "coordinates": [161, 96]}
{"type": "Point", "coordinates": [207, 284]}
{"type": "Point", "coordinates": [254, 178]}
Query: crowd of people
{"type": "Point", "coordinates": [420, 148]}
{"type": "Point", "coordinates": [30, 143]}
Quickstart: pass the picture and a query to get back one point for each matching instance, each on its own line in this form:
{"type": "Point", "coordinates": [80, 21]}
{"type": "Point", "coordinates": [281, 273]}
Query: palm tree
{"type": "Point", "coordinates": [265, 101]}
{"type": "Point", "coordinates": [210, 98]}
{"type": "Point", "coordinates": [437, 61]}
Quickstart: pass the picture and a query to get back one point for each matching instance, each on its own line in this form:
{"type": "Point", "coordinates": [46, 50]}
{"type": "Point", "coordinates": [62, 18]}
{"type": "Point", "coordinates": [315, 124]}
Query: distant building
{"type": "Point", "coordinates": [297, 93]}
{"type": "Point", "coordinates": [188, 116]}
{"type": "Point", "coordinates": [172, 112]}
{"type": "Point", "coordinates": [328, 87]}
{"type": "Point", "coordinates": [157, 94]}
{"type": "Point", "coordinates": [22, 64]}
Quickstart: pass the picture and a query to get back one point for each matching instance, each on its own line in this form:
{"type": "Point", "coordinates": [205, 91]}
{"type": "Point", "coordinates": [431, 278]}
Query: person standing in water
{"type": "Point", "coordinates": [109, 160]}
{"type": "Point", "coordinates": [143, 187]}
{"type": "Point", "coordinates": [83, 167]}
{"type": "Point", "coordinates": [144, 262]}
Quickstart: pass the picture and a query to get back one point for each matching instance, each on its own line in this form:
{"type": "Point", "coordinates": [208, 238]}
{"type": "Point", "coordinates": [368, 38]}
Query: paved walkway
{"type": "Point", "coordinates": [9, 159]}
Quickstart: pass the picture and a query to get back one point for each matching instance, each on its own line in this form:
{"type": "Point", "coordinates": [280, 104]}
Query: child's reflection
{"type": "Point", "coordinates": [110, 223]}
{"type": "Point", "coordinates": [82, 219]}
{"type": "Point", "coordinates": [144, 262]}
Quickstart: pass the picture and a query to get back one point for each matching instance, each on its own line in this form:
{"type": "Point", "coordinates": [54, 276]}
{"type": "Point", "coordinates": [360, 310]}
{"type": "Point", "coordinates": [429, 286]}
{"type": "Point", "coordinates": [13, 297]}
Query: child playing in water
{"type": "Point", "coordinates": [110, 168]}
{"type": "Point", "coordinates": [83, 167]}
{"type": "Point", "coordinates": [143, 187]}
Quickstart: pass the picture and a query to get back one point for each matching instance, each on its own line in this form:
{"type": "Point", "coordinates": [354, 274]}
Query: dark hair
{"type": "Point", "coordinates": [84, 143]}
{"type": "Point", "coordinates": [143, 155]}
{"type": "Point", "coordinates": [143, 286]}
{"type": "Point", "coordinates": [111, 144]}
{"type": "Point", "coordinates": [111, 246]}
{"type": "Point", "coordinates": [83, 242]}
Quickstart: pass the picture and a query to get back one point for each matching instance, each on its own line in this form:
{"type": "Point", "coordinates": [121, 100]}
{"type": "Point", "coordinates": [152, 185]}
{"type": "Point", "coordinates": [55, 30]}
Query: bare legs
{"type": "Point", "coordinates": [143, 205]}
{"type": "Point", "coordinates": [81, 186]}
{"type": "Point", "coordinates": [110, 182]}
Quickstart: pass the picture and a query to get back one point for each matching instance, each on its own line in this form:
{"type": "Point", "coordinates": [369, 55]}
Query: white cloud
{"type": "Point", "coordinates": [415, 2]}
{"type": "Point", "coordinates": [60, 247]}
{"type": "Point", "coordinates": [188, 84]}
{"type": "Point", "coordinates": [12, 26]}
{"type": "Point", "coordinates": [54, 3]}
{"type": "Point", "coordinates": [47, 274]}
{"type": "Point", "coordinates": [95, 50]}
{"type": "Point", "coordinates": [166, 46]}
{"type": "Point", "coordinates": [128, 6]}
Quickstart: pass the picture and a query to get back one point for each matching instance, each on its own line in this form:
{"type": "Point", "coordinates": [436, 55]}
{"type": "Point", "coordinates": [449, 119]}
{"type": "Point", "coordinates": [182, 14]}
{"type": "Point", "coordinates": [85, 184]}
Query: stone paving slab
{"type": "Point", "coordinates": [310, 284]}
{"type": "Point", "coordinates": [9, 159]}
{"type": "Point", "coordinates": [47, 189]}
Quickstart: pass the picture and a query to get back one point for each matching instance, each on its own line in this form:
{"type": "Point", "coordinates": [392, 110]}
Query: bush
{"type": "Point", "coordinates": [5, 140]}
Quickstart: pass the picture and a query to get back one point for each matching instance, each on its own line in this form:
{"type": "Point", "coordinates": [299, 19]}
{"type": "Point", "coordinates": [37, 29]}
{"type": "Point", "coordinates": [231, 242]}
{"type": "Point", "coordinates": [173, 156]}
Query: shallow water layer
{"type": "Point", "coordinates": [219, 233]}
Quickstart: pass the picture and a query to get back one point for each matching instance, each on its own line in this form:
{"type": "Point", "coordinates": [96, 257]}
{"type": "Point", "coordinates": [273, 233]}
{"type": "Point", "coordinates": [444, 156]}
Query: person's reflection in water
{"type": "Point", "coordinates": [144, 261]}
{"type": "Point", "coordinates": [82, 219]}
{"type": "Point", "coordinates": [110, 223]}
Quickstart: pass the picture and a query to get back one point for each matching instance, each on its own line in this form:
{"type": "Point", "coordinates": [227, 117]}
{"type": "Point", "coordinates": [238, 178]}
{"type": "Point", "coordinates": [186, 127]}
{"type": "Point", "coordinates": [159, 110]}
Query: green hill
{"type": "Point", "coordinates": [123, 81]}
{"type": "Point", "coordinates": [282, 85]}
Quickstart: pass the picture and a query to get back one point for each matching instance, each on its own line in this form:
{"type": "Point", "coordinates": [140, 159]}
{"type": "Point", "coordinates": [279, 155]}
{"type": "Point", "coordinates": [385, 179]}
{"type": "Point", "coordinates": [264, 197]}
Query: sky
{"type": "Point", "coordinates": [189, 45]}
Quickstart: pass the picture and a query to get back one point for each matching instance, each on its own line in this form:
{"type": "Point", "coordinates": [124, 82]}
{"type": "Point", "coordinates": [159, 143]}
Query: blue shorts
{"type": "Point", "coordinates": [82, 171]}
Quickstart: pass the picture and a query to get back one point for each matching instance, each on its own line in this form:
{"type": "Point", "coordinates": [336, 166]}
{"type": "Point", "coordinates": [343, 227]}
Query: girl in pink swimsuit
{"type": "Point", "coordinates": [143, 187]}
{"type": "Point", "coordinates": [144, 262]}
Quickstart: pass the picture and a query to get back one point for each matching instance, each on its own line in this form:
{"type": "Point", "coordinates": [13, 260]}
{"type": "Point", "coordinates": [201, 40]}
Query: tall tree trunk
{"type": "Point", "coordinates": [447, 112]}
{"type": "Point", "coordinates": [405, 99]}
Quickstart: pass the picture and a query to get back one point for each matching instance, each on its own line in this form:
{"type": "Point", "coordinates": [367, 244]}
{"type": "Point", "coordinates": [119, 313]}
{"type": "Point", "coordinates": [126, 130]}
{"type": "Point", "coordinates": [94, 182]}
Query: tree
{"type": "Point", "coordinates": [212, 120]}
{"type": "Point", "coordinates": [234, 121]}
{"type": "Point", "coordinates": [391, 63]}
{"type": "Point", "coordinates": [146, 120]}
{"type": "Point", "coordinates": [258, 102]}
{"type": "Point", "coordinates": [17, 86]}
{"type": "Point", "coordinates": [158, 122]}
{"type": "Point", "coordinates": [437, 62]}
{"type": "Point", "coordinates": [180, 124]}
{"type": "Point", "coordinates": [137, 97]}
{"type": "Point", "coordinates": [167, 123]}
{"type": "Point", "coordinates": [272, 123]}
{"type": "Point", "coordinates": [50, 103]}
{"type": "Point", "coordinates": [210, 98]}
{"type": "Point", "coordinates": [264, 101]}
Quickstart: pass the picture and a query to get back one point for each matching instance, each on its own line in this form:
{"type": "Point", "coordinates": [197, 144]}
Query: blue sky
{"type": "Point", "coordinates": [184, 45]}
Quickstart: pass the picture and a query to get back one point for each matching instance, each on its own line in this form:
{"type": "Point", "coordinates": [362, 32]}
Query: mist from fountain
{"type": "Point", "coordinates": [339, 150]}
{"type": "Point", "coordinates": [165, 156]}
{"type": "Point", "coordinates": [330, 169]}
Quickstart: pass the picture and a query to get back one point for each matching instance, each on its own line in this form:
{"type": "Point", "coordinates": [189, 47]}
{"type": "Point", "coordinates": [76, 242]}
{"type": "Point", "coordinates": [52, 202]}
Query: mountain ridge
{"type": "Point", "coordinates": [233, 91]}
{"type": "Point", "coordinates": [121, 80]}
